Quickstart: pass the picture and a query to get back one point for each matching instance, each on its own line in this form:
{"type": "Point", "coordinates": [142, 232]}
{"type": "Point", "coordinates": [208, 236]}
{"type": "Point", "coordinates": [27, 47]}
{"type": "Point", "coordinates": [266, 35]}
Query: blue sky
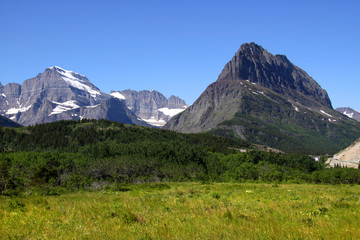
{"type": "Point", "coordinates": [179, 47]}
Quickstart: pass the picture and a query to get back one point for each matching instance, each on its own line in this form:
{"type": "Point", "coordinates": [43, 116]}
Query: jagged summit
{"type": "Point", "coordinates": [151, 106]}
{"type": "Point", "coordinates": [265, 99]}
{"type": "Point", "coordinates": [351, 113]}
{"type": "Point", "coordinates": [59, 94]}
{"type": "Point", "coordinates": [276, 72]}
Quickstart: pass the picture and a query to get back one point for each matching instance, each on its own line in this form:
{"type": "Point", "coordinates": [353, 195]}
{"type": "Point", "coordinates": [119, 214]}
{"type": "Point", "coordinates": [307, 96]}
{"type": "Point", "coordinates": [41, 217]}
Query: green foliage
{"type": "Point", "coordinates": [55, 158]}
{"type": "Point", "coordinates": [273, 122]}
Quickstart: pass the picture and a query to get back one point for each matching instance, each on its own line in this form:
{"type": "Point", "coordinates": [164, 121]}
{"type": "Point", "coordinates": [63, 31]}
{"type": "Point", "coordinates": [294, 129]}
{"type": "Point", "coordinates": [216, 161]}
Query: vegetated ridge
{"type": "Point", "coordinates": [54, 158]}
{"type": "Point", "coordinates": [5, 122]}
{"type": "Point", "coordinates": [265, 99]}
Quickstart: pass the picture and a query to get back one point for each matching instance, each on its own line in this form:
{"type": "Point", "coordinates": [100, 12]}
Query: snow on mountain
{"type": "Point", "coordinates": [151, 106]}
{"type": "Point", "coordinates": [351, 113]}
{"type": "Point", "coordinates": [17, 110]}
{"type": "Point", "coordinates": [59, 94]}
{"type": "Point", "coordinates": [117, 95]}
{"type": "Point", "coordinates": [63, 107]}
{"type": "Point", "coordinates": [74, 80]}
{"type": "Point", "coordinates": [322, 111]}
{"type": "Point", "coordinates": [171, 112]}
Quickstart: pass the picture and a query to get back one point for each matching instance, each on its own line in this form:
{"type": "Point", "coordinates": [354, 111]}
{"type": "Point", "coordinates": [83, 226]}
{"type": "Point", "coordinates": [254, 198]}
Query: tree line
{"type": "Point", "coordinates": [89, 154]}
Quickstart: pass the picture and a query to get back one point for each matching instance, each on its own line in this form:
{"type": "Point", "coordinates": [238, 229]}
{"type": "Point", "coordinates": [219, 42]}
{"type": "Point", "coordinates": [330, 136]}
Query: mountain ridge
{"type": "Point", "coordinates": [351, 113]}
{"type": "Point", "coordinates": [59, 94]}
{"type": "Point", "coordinates": [151, 106]}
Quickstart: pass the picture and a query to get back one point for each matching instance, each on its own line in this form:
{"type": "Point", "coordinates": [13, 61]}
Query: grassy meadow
{"type": "Point", "coordinates": [187, 211]}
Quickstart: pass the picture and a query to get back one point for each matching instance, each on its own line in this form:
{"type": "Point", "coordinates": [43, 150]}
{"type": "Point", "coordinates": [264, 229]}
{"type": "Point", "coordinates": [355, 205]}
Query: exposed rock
{"type": "Point", "coordinates": [267, 100]}
{"type": "Point", "coordinates": [349, 157]}
{"type": "Point", "coordinates": [151, 106]}
{"type": "Point", "coordinates": [58, 94]}
{"type": "Point", "coordinates": [351, 113]}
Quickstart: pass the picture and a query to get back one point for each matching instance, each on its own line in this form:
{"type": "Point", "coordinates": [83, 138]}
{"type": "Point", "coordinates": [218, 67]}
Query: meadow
{"type": "Point", "coordinates": [187, 211]}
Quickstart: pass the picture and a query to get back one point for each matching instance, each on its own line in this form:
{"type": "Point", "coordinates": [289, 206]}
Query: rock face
{"type": "Point", "coordinates": [277, 73]}
{"type": "Point", "coordinates": [58, 94]}
{"type": "Point", "coordinates": [265, 99]}
{"type": "Point", "coordinates": [351, 113]}
{"type": "Point", "coordinates": [151, 106]}
{"type": "Point", "coordinates": [349, 157]}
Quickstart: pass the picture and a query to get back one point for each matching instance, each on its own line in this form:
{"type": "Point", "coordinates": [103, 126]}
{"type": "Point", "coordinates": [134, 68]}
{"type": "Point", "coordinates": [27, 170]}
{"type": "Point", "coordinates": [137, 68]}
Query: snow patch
{"type": "Point", "coordinates": [171, 112]}
{"type": "Point", "coordinates": [16, 110]}
{"type": "Point", "coordinates": [296, 108]}
{"type": "Point", "coordinates": [92, 106]}
{"type": "Point", "coordinates": [118, 95]}
{"type": "Point", "coordinates": [350, 115]}
{"type": "Point", "coordinates": [68, 77]}
{"type": "Point", "coordinates": [3, 95]}
{"type": "Point", "coordinates": [325, 113]}
{"type": "Point", "coordinates": [63, 107]}
{"type": "Point", "coordinates": [155, 122]}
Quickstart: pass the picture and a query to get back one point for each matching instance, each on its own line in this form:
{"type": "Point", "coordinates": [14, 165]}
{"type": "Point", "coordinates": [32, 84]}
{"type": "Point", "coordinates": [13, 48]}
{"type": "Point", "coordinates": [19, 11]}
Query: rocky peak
{"type": "Point", "coordinates": [253, 63]}
{"type": "Point", "coordinates": [351, 113]}
{"type": "Point", "coordinates": [176, 102]}
{"type": "Point", "coordinates": [150, 105]}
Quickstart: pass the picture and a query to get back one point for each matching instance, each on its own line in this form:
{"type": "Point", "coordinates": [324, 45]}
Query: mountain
{"type": "Point", "coordinates": [59, 94]}
{"type": "Point", "coordinates": [349, 157]}
{"type": "Point", "coordinates": [351, 113]}
{"type": "Point", "coordinates": [265, 99]}
{"type": "Point", "coordinates": [151, 106]}
{"type": "Point", "coordinates": [5, 122]}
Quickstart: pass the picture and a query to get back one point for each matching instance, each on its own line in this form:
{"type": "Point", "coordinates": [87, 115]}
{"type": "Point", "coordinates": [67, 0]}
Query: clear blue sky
{"type": "Point", "coordinates": [179, 47]}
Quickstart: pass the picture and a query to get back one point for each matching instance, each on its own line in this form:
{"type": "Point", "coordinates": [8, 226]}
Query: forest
{"type": "Point", "coordinates": [66, 156]}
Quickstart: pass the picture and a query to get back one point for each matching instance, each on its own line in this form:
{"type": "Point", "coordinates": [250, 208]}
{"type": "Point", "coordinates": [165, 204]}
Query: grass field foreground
{"type": "Point", "coordinates": [188, 211]}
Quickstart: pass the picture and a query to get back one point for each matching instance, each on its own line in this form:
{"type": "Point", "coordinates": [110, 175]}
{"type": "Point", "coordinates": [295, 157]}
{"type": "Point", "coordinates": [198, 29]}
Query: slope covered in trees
{"type": "Point", "coordinates": [89, 154]}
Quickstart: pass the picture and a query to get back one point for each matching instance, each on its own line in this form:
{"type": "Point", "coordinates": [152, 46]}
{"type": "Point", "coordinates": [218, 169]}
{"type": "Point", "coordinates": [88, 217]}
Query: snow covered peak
{"type": "Point", "coordinates": [64, 71]}
{"type": "Point", "coordinates": [76, 80]}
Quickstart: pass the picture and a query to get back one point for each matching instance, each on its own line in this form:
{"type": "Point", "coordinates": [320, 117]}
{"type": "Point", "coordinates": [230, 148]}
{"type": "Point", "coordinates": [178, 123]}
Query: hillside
{"type": "Point", "coordinates": [5, 122]}
{"type": "Point", "coordinates": [348, 157]}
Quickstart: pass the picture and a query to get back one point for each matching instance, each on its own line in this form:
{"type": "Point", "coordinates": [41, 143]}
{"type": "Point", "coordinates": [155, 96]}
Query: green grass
{"type": "Point", "coordinates": [188, 211]}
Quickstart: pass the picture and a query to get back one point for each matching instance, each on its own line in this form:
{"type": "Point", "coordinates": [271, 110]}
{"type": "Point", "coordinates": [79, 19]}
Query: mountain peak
{"type": "Point", "coordinates": [64, 71]}
{"type": "Point", "coordinates": [76, 80]}
{"type": "Point", "coordinates": [250, 46]}
{"type": "Point", "coordinates": [255, 64]}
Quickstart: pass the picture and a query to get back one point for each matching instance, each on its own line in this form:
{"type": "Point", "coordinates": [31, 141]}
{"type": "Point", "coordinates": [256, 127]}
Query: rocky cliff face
{"type": "Point", "coordinates": [58, 94]}
{"type": "Point", "coordinates": [265, 99]}
{"type": "Point", "coordinates": [151, 106]}
{"type": "Point", "coordinates": [351, 113]}
{"type": "Point", "coordinates": [275, 72]}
